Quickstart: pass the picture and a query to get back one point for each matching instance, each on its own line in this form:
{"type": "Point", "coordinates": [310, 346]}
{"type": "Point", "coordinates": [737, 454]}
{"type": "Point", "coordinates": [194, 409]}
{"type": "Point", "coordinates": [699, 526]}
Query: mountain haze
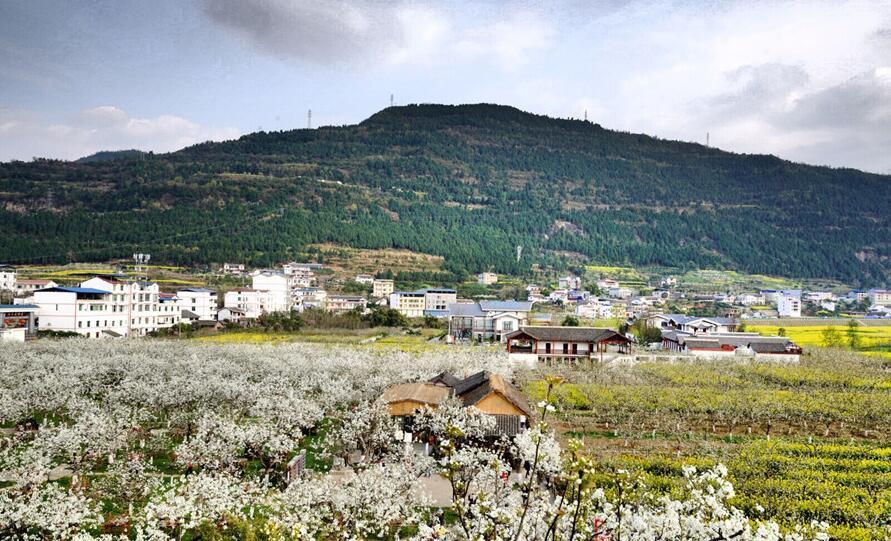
{"type": "Point", "coordinates": [467, 182]}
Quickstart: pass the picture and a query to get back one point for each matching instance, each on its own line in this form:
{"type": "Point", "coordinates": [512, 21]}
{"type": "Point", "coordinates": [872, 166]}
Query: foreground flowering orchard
{"type": "Point", "coordinates": [170, 440]}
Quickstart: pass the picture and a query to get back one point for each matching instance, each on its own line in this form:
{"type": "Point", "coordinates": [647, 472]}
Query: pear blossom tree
{"type": "Point", "coordinates": [176, 440]}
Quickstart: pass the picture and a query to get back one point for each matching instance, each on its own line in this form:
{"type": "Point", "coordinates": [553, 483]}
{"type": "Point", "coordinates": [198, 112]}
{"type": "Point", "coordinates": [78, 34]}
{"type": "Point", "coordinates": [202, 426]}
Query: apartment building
{"type": "Point", "coordinates": [439, 299]}
{"type": "Point", "coordinates": [345, 303]}
{"type": "Point", "coordinates": [409, 303]}
{"type": "Point", "coordinates": [169, 311]}
{"type": "Point", "coordinates": [879, 297]}
{"type": "Point", "coordinates": [789, 304]}
{"type": "Point", "coordinates": [250, 302]}
{"type": "Point", "coordinates": [199, 301]}
{"type": "Point", "coordinates": [381, 289]}
{"type": "Point", "coordinates": [136, 303]}
{"type": "Point", "coordinates": [278, 290]}
{"type": "Point", "coordinates": [25, 288]}
{"type": "Point", "coordinates": [84, 310]}
{"type": "Point", "coordinates": [7, 277]}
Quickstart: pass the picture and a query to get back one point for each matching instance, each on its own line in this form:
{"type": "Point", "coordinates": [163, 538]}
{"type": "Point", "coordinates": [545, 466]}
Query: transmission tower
{"type": "Point", "coordinates": [309, 119]}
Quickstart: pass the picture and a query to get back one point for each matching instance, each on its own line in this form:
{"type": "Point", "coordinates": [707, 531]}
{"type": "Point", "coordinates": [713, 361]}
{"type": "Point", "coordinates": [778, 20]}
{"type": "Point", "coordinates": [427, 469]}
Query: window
{"type": "Point", "coordinates": [80, 324]}
{"type": "Point", "coordinates": [507, 326]}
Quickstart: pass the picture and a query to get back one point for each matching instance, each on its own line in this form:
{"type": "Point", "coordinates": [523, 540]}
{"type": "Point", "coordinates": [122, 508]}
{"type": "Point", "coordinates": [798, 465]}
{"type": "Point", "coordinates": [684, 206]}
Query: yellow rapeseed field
{"type": "Point", "coordinates": [873, 336]}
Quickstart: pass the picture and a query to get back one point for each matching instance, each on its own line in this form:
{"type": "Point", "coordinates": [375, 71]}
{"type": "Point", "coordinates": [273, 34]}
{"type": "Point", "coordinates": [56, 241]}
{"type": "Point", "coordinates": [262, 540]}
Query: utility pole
{"type": "Point", "coordinates": [707, 137]}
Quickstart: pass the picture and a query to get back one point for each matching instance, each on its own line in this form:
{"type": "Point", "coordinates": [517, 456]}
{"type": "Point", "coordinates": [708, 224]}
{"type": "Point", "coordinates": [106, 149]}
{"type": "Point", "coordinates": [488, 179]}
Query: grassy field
{"type": "Point", "coordinates": [378, 339]}
{"type": "Point", "coordinates": [807, 441]}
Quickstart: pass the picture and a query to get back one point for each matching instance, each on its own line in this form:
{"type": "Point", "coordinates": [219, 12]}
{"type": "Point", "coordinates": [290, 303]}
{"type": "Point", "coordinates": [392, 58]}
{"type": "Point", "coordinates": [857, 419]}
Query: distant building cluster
{"type": "Point", "coordinates": [117, 306]}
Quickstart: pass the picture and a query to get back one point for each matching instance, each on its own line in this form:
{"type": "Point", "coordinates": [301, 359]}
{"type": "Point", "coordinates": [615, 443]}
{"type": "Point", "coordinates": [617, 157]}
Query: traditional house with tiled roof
{"type": "Point", "coordinates": [490, 393]}
{"type": "Point", "coordinates": [564, 343]}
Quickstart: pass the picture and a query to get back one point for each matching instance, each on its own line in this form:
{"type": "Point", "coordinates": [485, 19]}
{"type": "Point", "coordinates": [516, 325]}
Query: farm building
{"type": "Point", "coordinates": [485, 391]}
{"type": "Point", "coordinates": [731, 344]}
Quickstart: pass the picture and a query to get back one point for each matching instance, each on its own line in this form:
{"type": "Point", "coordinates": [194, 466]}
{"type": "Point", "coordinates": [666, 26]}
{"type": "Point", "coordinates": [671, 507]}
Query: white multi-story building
{"type": "Point", "coordinates": [84, 310]}
{"type": "Point", "coordinates": [432, 301]}
{"type": "Point", "coordinates": [487, 320]}
{"type": "Point", "coordinates": [310, 297]}
{"type": "Point", "coordinates": [233, 268]}
{"type": "Point", "coordinates": [879, 297]}
{"type": "Point", "coordinates": [345, 303]}
{"type": "Point", "coordinates": [200, 301]}
{"type": "Point", "coordinates": [749, 300]}
{"type": "Point", "coordinates": [439, 299]}
{"type": "Point", "coordinates": [252, 303]}
{"type": "Point", "coordinates": [620, 292]}
{"type": "Point", "coordinates": [569, 282]}
{"type": "Point", "coordinates": [789, 304]}
{"type": "Point", "coordinates": [817, 297]}
{"type": "Point", "coordinates": [487, 278]}
{"type": "Point", "coordinates": [301, 270]}
{"type": "Point", "coordinates": [595, 309]}
{"type": "Point", "coordinates": [7, 277]}
{"type": "Point", "coordinates": [408, 303]}
{"type": "Point", "coordinates": [278, 288]}
{"type": "Point", "coordinates": [365, 278]}
{"type": "Point", "coordinates": [136, 303]}
{"type": "Point", "coordinates": [381, 289]}
{"type": "Point", "coordinates": [169, 311]}
{"type": "Point", "coordinates": [24, 288]}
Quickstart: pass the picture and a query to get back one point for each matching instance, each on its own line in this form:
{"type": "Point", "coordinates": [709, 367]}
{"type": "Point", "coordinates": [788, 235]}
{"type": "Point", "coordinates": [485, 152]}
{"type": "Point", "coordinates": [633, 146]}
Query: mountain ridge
{"type": "Point", "coordinates": [421, 176]}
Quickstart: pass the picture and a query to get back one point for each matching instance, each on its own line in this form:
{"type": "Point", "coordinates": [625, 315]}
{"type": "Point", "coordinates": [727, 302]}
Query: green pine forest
{"type": "Point", "coordinates": [467, 182]}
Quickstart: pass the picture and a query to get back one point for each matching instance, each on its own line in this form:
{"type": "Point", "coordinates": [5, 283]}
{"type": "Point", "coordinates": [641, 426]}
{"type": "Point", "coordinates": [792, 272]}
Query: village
{"type": "Point", "coordinates": [566, 319]}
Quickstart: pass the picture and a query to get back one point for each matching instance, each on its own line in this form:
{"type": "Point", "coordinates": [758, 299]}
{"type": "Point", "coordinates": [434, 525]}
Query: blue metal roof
{"type": "Point", "coordinates": [76, 290]}
{"type": "Point", "coordinates": [18, 306]}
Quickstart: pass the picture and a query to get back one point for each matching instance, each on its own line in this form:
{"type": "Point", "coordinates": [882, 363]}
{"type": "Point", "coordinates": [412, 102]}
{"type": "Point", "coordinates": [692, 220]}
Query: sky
{"type": "Point", "coordinates": [807, 81]}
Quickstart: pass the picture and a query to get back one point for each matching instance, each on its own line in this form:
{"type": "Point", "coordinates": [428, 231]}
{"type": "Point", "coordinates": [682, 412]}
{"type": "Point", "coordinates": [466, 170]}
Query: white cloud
{"type": "Point", "coordinates": [365, 33]}
{"type": "Point", "coordinates": [509, 42]}
{"type": "Point", "coordinates": [24, 134]}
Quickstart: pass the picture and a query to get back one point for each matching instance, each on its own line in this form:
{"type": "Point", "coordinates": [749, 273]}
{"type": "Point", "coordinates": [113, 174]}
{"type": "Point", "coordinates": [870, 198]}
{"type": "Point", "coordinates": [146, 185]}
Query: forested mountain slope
{"type": "Point", "coordinates": [469, 183]}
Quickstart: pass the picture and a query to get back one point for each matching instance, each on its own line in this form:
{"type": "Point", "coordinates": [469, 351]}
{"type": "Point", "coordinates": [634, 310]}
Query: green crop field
{"type": "Point", "coordinates": [806, 442]}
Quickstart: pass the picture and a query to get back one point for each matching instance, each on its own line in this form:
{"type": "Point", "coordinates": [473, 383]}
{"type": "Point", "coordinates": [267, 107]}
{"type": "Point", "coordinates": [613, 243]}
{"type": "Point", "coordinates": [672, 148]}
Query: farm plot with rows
{"type": "Point", "coordinates": [802, 442]}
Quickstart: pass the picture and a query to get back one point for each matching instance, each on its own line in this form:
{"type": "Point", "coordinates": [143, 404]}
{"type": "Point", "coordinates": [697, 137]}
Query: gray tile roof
{"type": "Point", "coordinates": [506, 306]}
{"type": "Point", "coordinates": [569, 334]}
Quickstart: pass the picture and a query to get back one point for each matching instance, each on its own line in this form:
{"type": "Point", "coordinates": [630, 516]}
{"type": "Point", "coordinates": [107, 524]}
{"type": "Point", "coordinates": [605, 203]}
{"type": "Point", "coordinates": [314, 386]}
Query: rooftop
{"type": "Point", "coordinates": [78, 290]}
{"type": "Point", "coordinates": [569, 334]}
